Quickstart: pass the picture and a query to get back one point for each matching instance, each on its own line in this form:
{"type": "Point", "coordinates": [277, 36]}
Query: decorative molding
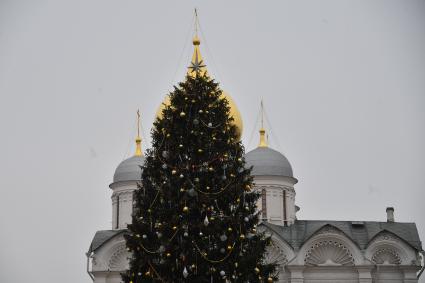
{"type": "Point", "coordinates": [119, 259]}
{"type": "Point", "coordinates": [388, 249]}
{"type": "Point", "coordinates": [276, 187]}
{"type": "Point", "coordinates": [275, 254]}
{"type": "Point", "coordinates": [384, 237]}
{"type": "Point", "coordinates": [386, 256]}
{"type": "Point", "coordinates": [328, 253]}
{"type": "Point", "coordinates": [126, 192]}
{"type": "Point", "coordinates": [328, 229]}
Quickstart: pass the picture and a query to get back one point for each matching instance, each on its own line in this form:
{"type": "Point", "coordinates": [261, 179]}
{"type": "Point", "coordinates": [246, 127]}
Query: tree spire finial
{"type": "Point", "coordinates": [197, 66]}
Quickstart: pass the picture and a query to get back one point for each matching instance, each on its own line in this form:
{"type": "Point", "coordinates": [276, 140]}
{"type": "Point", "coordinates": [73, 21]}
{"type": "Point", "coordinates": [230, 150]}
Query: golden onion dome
{"type": "Point", "coordinates": [197, 66]}
{"type": "Point", "coordinates": [234, 112]}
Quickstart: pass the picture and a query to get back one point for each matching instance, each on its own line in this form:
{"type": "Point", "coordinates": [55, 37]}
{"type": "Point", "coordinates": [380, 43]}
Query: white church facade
{"type": "Point", "coordinates": [307, 251]}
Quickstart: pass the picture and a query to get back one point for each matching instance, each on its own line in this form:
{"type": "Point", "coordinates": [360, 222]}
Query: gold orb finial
{"type": "Point", "coordinates": [196, 40]}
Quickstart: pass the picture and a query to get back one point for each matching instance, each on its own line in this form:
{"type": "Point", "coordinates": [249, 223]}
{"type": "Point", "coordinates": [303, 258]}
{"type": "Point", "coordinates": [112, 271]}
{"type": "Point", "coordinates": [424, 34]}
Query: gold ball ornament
{"type": "Point", "coordinates": [182, 114]}
{"type": "Point", "coordinates": [185, 209]}
{"type": "Point", "coordinates": [270, 280]}
{"type": "Point", "coordinates": [257, 270]}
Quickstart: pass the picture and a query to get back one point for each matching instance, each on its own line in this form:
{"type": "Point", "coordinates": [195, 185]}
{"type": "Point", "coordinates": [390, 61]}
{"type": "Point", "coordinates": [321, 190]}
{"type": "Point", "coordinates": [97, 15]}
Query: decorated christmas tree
{"type": "Point", "coordinates": [195, 215]}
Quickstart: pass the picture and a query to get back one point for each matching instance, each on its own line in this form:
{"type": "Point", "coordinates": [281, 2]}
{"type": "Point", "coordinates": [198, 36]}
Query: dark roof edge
{"type": "Point", "coordinates": [418, 248]}
{"type": "Point", "coordinates": [118, 232]}
{"type": "Point", "coordinates": [414, 243]}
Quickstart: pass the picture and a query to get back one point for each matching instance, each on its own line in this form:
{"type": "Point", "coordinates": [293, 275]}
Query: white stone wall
{"type": "Point", "coordinates": [109, 261]}
{"type": "Point", "coordinates": [280, 192]}
{"type": "Point", "coordinates": [328, 256]}
{"type": "Point", "coordinates": [122, 203]}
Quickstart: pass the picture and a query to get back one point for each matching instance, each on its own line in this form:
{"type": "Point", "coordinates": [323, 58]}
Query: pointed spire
{"type": "Point", "coordinates": [263, 141]}
{"type": "Point", "coordinates": [197, 65]}
{"type": "Point", "coordinates": [139, 151]}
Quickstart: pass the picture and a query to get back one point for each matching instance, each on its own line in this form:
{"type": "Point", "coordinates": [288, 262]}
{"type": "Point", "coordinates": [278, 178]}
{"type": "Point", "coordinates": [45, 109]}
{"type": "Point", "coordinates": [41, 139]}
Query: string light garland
{"type": "Point", "coordinates": [203, 255]}
{"type": "Point", "coordinates": [194, 214]}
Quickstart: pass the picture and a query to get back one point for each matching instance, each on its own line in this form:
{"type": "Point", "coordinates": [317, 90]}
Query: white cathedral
{"type": "Point", "coordinates": [308, 251]}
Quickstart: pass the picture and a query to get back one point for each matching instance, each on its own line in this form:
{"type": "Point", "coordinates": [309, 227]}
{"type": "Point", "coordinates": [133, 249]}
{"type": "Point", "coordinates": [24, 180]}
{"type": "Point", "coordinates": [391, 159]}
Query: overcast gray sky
{"type": "Point", "coordinates": [343, 84]}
